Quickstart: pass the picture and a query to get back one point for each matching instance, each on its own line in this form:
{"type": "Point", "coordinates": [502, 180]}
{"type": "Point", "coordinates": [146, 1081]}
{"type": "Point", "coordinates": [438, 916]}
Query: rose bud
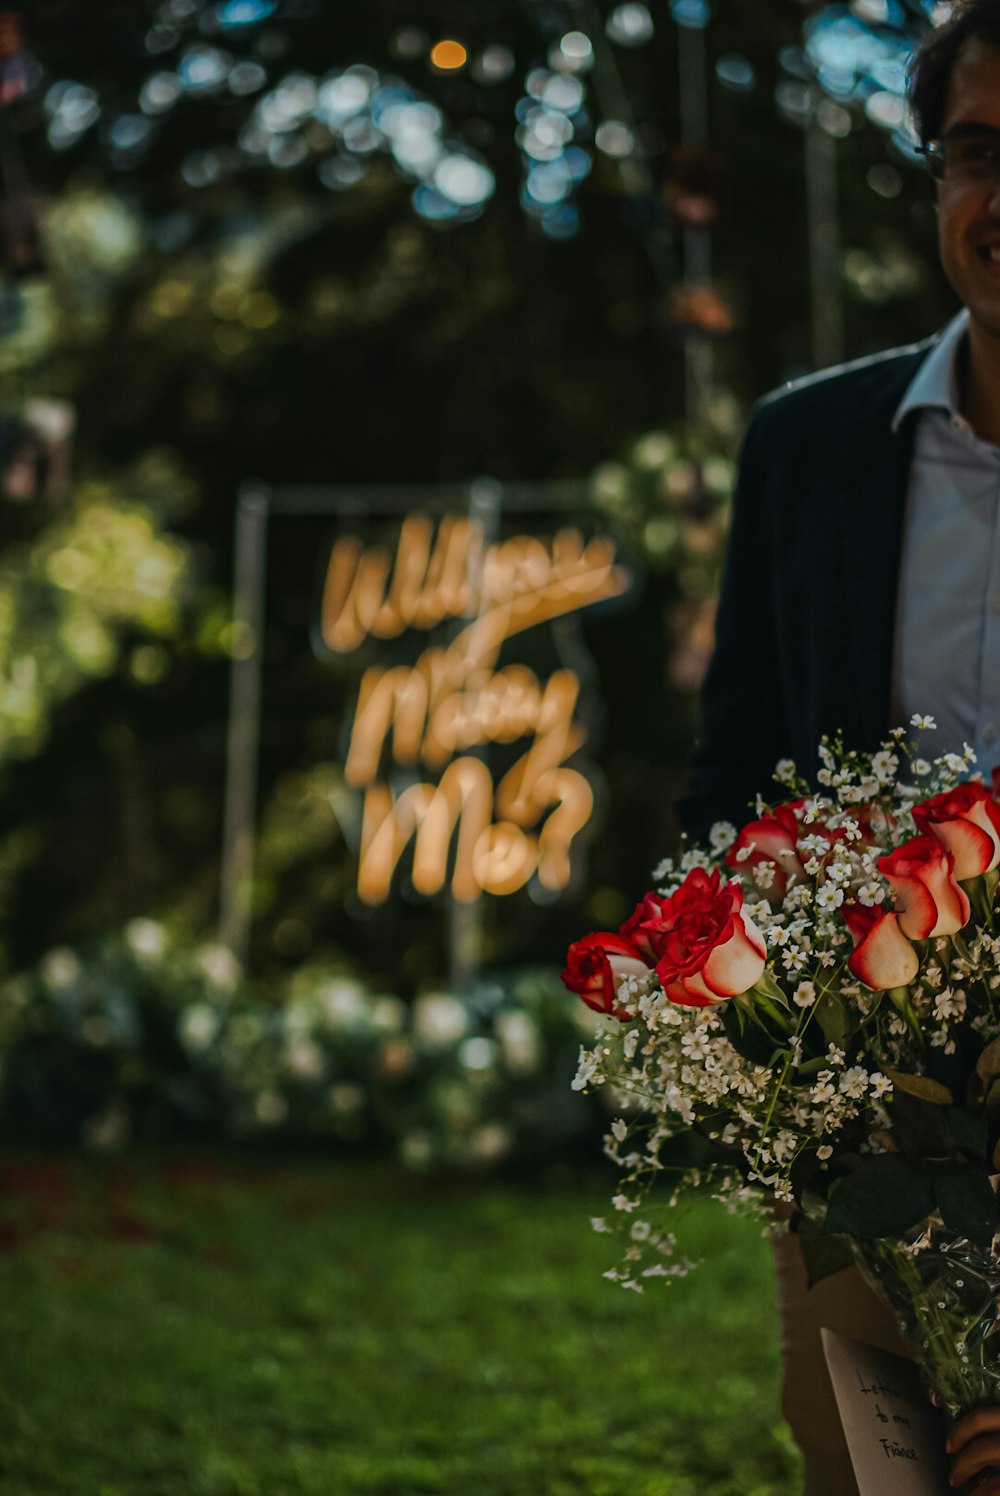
{"type": "Point", "coordinates": [928, 900]}
{"type": "Point", "coordinates": [773, 841]}
{"type": "Point", "coordinates": [596, 965]}
{"type": "Point", "coordinates": [967, 821]}
{"type": "Point", "coordinates": [643, 928]}
{"type": "Point", "coordinates": [712, 950]}
{"type": "Point", "coordinates": [873, 821]}
{"type": "Point", "coordinates": [883, 957]}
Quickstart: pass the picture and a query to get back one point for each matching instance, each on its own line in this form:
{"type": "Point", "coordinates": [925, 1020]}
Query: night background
{"type": "Point", "coordinates": [364, 247]}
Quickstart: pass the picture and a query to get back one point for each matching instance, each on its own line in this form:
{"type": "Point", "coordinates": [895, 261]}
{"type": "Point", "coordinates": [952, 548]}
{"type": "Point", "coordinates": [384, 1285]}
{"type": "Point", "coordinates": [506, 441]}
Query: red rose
{"type": "Point", "coordinates": [711, 949]}
{"type": "Point", "coordinates": [596, 964]}
{"type": "Point", "coordinates": [774, 842]}
{"type": "Point", "coordinates": [928, 900]}
{"type": "Point", "coordinates": [642, 928]}
{"type": "Point", "coordinates": [966, 820]}
{"type": "Point", "coordinates": [883, 957]}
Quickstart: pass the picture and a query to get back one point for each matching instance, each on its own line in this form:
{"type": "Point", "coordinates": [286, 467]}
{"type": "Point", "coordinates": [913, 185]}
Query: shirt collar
{"type": "Point", "coordinates": [935, 384]}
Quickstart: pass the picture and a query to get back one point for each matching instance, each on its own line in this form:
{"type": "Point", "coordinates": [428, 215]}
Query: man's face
{"type": "Point", "coordinates": [969, 212]}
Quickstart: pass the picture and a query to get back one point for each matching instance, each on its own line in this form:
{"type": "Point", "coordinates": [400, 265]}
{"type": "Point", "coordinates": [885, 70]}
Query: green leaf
{"type": "Point", "coordinates": [966, 1201]}
{"type": "Point", "coordinates": [970, 1132]}
{"type": "Point", "coordinates": [921, 1127]}
{"type": "Point", "coordinates": [736, 1013]}
{"type": "Point", "coordinates": [804, 1171]}
{"type": "Point", "coordinates": [921, 1086]}
{"type": "Point", "coordinates": [834, 1019]}
{"type": "Point", "coordinates": [885, 1196]}
{"type": "Point", "coordinates": [746, 1037]}
{"type": "Point", "coordinates": [823, 1253]}
{"type": "Point", "coordinates": [988, 1064]}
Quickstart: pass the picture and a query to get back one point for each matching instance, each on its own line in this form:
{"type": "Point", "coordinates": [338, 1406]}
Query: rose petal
{"type": "Point", "coordinates": [884, 957]}
{"type": "Point", "coordinates": [973, 849]}
{"type": "Point", "coordinates": [928, 900]}
{"type": "Point", "coordinates": [691, 992]}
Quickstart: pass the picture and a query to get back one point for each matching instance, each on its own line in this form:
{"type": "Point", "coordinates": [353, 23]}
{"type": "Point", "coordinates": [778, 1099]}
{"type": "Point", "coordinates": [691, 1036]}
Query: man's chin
{"type": "Point", "coordinates": [985, 314]}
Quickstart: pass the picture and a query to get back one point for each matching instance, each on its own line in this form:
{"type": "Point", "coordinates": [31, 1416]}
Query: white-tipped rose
{"type": "Point", "coordinates": [883, 957]}
{"type": "Point", "coordinates": [966, 820]}
{"type": "Point", "coordinates": [709, 949]}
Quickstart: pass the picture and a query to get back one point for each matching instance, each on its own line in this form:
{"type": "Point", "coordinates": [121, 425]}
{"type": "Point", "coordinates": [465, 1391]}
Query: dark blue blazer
{"type": "Point", "coordinates": [804, 635]}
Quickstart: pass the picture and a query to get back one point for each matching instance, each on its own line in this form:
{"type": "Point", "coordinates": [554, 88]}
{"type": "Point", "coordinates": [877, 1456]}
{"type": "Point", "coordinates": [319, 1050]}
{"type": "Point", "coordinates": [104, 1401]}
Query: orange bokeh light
{"type": "Point", "coordinates": [449, 55]}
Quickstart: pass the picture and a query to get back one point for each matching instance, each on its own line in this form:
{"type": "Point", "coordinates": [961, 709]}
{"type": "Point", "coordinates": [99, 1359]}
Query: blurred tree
{"type": "Point", "coordinates": [297, 240]}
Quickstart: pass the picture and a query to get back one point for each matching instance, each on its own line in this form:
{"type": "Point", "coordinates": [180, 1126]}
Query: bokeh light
{"type": "Point", "coordinates": [885, 180]}
{"type": "Point", "coordinates": [735, 72]}
{"type": "Point", "coordinates": [875, 12]}
{"type": "Point", "coordinates": [246, 78]}
{"type": "Point", "coordinates": [563, 92]}
{"type": "Point", "coordinates": [494, 64]}
{"type": "Point", "coordinates": [243, 12]}
{"type": "Point", "coordinates": [463, 181]}
{"type": "Point", "coordinates": [339, 173]}
{"type": "Point", "coordinates": [850, 67]}
{"type": "Point", "coordinates": [574, 53]}
{"type": "Point", "coordinates": [834, 119]}
{"type": "Point", "coordinates": [409, 44]}
{"type": "Point", "coordinates": [614, 138]}
{"type": "Point", "coordinates": [886, 109]}
{"type": "Point", "coordinates": [691, 13]}
{"type": "Point", "coordinates": [342, 95]}
{"type": "Point", "coordinates": [630, 25]}
{"type": "Point", "coordinates": [159, 93]}
{"type": "Point", "coordinates": [203, 69]}
{"type": "Point", "coordinates": [448, 55]}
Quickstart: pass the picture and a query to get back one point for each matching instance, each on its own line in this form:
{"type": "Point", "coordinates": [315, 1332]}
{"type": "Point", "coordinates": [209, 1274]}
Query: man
{"type": "Point", "coordinates": [862, 585]}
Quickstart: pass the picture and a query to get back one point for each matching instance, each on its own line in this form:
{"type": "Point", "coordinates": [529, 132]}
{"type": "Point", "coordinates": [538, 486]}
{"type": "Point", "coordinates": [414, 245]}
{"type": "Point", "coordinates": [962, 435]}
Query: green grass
{"type": "Point", "coordinates": [241, 1330]}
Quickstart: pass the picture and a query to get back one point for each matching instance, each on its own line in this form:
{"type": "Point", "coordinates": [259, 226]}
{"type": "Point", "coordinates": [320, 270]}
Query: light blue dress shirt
{"type": "Point", "coordinates": [946, 658]}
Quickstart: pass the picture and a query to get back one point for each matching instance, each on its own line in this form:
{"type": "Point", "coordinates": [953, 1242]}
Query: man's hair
{"type": "Point", "coordinates": [930, 69]}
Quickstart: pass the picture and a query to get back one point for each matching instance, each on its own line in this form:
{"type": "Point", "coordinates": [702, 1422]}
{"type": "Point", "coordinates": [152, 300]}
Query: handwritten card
{"type": "Point", "coordinates": [894, 1435]}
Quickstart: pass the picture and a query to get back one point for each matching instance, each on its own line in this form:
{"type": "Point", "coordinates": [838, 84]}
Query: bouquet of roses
{"type": "Point", "coordinates": [817, 998]}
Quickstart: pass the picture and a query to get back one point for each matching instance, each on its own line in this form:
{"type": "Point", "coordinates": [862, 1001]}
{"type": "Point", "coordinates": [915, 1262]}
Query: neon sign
{"type": "Point", "coordinates": [430, 716]}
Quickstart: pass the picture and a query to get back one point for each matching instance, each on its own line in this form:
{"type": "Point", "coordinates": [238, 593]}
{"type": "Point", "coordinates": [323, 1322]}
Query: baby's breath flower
{"type": "Point", "coordinates": [721, 837]}
{"type": "Point", "coordinates": [884, 766]}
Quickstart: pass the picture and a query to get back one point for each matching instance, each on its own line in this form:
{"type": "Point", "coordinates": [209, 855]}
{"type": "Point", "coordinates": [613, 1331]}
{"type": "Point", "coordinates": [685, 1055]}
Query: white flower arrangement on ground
{"type": "Point", "coordinates": [816, 998]}
{"type": "Point", "coordinates": [149, 1036]}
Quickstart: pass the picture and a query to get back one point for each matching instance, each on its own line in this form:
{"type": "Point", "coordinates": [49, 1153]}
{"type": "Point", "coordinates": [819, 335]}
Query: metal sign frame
{"type": "Point", "coordinates": [483, 499]}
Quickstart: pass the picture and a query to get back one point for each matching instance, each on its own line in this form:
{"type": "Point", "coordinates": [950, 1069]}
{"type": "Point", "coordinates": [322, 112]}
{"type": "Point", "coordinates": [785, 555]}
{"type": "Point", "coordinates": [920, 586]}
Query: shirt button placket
{"type": "Point", "coordinates": [989, 697]}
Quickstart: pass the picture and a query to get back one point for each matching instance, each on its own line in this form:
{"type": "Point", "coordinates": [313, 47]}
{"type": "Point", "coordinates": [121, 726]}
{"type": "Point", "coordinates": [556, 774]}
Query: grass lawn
{"type": "Point", "coordinates": [202, 1328]}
